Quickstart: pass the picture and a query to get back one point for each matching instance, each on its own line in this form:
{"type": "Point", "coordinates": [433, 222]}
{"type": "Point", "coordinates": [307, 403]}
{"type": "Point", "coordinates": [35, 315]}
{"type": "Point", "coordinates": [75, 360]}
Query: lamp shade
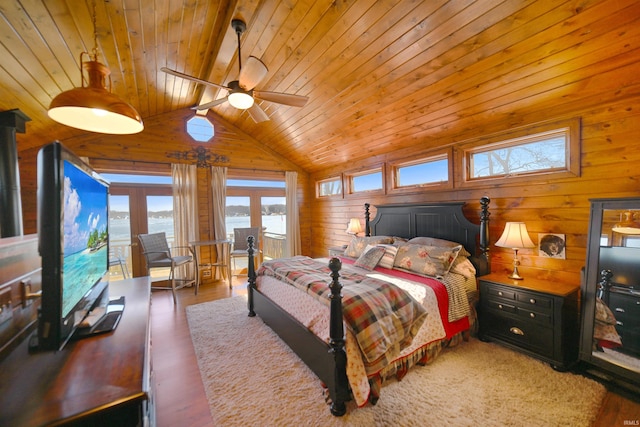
{"type": "Point", "coordinates": [515, 236]}
{"type": "Point", "coordinates": [93, 108]}
{"type": "Point", "coordinates": [354, 226]}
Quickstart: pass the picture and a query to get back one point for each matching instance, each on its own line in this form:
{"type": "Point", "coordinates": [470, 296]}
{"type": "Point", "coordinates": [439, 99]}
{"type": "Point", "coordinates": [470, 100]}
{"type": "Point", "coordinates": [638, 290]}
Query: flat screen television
{"type": "Point", "coordinates": [73, 241]}
{"type": "Point", "coordinates": [623, 262]}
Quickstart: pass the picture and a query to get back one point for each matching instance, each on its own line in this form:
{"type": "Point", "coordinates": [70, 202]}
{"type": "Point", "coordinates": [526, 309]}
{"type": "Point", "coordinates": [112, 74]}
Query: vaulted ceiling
{"type": "Point", "coordinates": [380, 75]}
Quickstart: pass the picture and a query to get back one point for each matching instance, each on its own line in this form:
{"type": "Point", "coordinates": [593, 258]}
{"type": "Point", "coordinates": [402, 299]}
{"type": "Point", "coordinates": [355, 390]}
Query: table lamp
{"type": "Point", "coordinates": [354, 227]}
{"type": "Point", "coordinates": [515, 236]}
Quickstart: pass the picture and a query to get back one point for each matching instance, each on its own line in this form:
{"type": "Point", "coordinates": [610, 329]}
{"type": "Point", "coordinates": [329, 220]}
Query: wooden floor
{"type": "Point", "coordinates": [180, 398]}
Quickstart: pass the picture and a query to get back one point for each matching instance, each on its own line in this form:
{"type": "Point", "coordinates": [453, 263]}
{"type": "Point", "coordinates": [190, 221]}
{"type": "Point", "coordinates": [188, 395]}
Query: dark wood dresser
{"type": "Point", "coordinates": [103, 380]}
{"type": "Point", "coordinates": [537, 317]}
{"type": "Point", "coordinates": [624, 302]}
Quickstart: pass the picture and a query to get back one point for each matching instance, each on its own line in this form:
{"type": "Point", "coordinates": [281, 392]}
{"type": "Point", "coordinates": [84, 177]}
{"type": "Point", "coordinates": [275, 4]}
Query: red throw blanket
{"type": "Point", "coordinates": [383, 317]}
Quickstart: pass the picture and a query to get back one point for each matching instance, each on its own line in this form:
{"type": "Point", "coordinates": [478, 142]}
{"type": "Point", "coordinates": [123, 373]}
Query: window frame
{"type": "Point", "coordinates": [523, 136]}
{"type": "Point", "coordinates": [337, 178]}
{"type": "Point", "coordinates": [348, 186]}
{"type": "Point", "coordinates": [432, 156]}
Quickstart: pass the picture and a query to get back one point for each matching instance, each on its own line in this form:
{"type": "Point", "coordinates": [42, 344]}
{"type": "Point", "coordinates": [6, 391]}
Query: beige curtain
{"type": "Point", "coordinates": [294, 246]}
{"type": "Point", "coordinates": [219, 191]}
{"type": "Point", "coordinates": [185, 212]}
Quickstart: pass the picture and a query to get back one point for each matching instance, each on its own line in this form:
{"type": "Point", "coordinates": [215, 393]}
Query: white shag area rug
{"type": "Point", "coordinates": [253, 379]}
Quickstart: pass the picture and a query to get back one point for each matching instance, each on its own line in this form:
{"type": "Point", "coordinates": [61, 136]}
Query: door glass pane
{"type": "Point", "coordinates": [274, 214]}
{"type": "Point", "coordinates": [274, 223]}
{"type": "Point", "coordinates": [160, 219]}
{"type": "Point", "coordinates": [119, 237]}
{"type": "Point", "coordinates": [237, 214]}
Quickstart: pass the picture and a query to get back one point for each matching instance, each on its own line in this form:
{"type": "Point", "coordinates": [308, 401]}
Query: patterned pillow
{"type": "Point", "coordinates": [434, 241]}
{"type": "Point", "coordinates": [463, 266]}
{"type": "Point", "coordinates": [370, 257]}
{"type": "Point", "coordinates": [357, 245]}
{"type": "Point", "coordinates": [389, 256]}
{"type": "Point", "coordinates": [428, 260]}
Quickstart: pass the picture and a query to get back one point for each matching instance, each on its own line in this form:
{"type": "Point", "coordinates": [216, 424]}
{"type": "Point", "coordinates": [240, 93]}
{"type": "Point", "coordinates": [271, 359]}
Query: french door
{"type": "Point", "coordinates": [138, 209]}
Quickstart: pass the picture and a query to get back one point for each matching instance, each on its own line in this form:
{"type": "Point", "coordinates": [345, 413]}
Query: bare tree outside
{"type": "Point", "coordinates": [541, 155]}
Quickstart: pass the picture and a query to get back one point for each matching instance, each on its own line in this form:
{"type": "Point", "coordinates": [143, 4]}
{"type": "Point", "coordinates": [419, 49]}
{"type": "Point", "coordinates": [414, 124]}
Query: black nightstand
{"type": "Point", "coordinates": [337, 251]}
{"type": "Point", "coordinates": [538, 317]}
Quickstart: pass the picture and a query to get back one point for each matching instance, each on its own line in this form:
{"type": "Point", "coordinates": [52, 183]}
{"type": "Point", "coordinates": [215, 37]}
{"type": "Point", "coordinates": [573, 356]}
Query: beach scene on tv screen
{"type": "Point", "coordinates": [85, 234]}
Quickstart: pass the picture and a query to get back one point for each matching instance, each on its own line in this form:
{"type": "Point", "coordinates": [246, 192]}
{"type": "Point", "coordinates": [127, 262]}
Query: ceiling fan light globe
{"type": "Point", "coordinates": [240, 100]}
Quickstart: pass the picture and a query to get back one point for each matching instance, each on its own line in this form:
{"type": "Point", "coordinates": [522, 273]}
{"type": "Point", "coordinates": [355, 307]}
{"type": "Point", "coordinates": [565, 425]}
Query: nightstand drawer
{"type": "Point", "coordinates": [495, 291]}
{"type": "Point", "coordinates": [534, 299]}
{"type": "Point", "coordinates": [527, 315]}
{"type": "Point", "coordinates": [522, 334]}
{"type": "Point", "coordinates": [537, 317]}
{"type": "Point", "coordinates": [501, 306]}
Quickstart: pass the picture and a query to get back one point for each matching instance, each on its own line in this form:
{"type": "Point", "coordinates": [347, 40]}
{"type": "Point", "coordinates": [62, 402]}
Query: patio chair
{"type": "Point", "coordinates": [158, 255]}
{"type": "Point", "coordinates": [239, 249]}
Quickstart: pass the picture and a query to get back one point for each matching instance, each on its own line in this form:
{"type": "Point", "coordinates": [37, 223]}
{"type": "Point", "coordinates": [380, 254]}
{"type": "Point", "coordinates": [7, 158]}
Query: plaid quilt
{"type": "Point", "coordinates": [383, 317]}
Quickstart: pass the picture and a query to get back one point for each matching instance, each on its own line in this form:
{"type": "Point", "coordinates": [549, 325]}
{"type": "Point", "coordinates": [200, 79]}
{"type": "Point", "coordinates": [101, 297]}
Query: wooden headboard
{"type": "Point", "coordinates": [444, 220]}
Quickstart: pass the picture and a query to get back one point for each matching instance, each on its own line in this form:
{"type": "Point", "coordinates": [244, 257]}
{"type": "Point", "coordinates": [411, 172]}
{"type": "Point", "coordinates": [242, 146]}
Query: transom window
{"type": "Point", "coordinates": [329, 187]}
{"type": "Point", "coordinates": [370, 180]}
{"type": "Point", "coordinates": [537, 153]}
{"type": "Point", "coordinates": [516, 156]}
{"type": "Point", "coordinates": [432, 172]}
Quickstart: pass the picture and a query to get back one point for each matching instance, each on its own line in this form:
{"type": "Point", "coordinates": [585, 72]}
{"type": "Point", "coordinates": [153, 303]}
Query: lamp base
{"type": "Point", "coordinates": [515, 275]}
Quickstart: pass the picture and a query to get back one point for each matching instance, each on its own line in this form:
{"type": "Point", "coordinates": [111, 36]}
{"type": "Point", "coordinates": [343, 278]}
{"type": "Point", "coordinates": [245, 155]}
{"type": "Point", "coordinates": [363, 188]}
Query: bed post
{"type": "Point", "coordinates": [251, 272]}
{"type": "Point", "coordinates": [367, 218]}
{"type": "Point", "coordinates": [484, 230]}
{"type": "Point", "coordinates": [337, 342]}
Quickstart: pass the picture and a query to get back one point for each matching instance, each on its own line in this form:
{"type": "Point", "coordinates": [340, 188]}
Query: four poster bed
{"type": "Point", "coordinates": [398, 296]}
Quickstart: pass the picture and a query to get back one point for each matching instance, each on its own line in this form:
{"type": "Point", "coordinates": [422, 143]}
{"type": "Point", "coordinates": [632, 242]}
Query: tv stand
{"type": "Point", "coordinates": [102, 380]}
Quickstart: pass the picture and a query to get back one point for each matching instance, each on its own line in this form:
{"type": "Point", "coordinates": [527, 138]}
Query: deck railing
{"type": "Point", "coordinates": [273, 245]}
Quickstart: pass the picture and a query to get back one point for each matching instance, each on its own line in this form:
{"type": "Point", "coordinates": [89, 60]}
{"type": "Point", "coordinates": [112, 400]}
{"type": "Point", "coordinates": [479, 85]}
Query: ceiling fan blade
{"type": "Point", "coordinates": [210, 104]}
{"type": "Point", "coordinates": [282, 98]}
{"type": "Point", "coordinates": [193, 79]}
{"type": "Point", "coordinates": [252, 73]}
{"type": "Point", "coordinates": [257, 113]}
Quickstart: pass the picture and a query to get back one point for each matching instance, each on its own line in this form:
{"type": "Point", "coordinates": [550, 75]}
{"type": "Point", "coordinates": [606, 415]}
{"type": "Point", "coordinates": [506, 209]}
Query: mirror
{"type": "Point", "coordinates": [611, 289]}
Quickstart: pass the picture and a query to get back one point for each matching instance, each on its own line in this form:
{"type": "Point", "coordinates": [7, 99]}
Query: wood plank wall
{"type": "Point", "coordinates": [148, 151]}
{"type": "Point", "coordinates": [610, 154]}
{"type": "Point", "coordinates": [609, 158]}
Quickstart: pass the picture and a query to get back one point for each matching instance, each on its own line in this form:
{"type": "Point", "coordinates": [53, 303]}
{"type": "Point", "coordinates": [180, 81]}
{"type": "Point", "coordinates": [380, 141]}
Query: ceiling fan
{"type": "Point", "coordinates": [242, 93]}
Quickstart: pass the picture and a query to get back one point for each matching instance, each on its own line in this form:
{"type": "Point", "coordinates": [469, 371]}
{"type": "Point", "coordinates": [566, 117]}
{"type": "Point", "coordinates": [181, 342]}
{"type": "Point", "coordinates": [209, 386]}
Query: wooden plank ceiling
{"type": "Point", "coordinates": [380, 75]}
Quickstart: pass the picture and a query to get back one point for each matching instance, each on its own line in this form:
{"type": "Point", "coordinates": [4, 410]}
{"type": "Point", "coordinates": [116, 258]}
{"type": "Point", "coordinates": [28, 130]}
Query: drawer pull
{"type": "Point", "coordinates": [516, 331]}
{"type": "Point", "coordinates": [619, 323]}
{"type": "Point", "coordinates": [500, 306]}
{"type": "Point", "coordinates": [532, 300]}
{"type": "Point", "coordinates": [620, 309]}
{"type": "Point", "coordinates": [532, 315]}
{"type": "Point", "coordinates": [500, 293]}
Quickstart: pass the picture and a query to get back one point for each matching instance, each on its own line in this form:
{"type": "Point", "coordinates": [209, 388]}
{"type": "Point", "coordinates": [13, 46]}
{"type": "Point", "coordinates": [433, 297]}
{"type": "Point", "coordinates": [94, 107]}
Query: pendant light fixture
{"type": "Point", "coordinates": [92, 107]}
{"type": "Point", "coordinates": [627, 224]}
